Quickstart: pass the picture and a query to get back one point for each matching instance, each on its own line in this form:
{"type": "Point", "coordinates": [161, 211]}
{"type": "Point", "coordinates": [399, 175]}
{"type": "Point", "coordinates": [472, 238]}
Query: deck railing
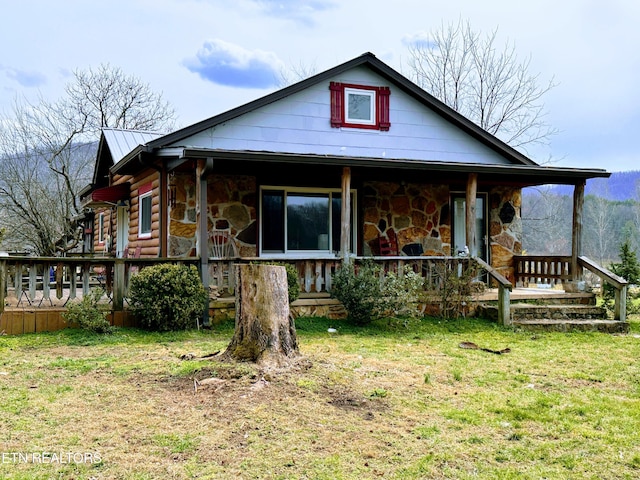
{"type": "Point", "coordinates": [54, 281]}
{"type": "Point", "coordinates": [542, 270]}
{"type": "Point", "coordinates": [556, 270]}
{"type": "Point", "coordinates": [314, 274]}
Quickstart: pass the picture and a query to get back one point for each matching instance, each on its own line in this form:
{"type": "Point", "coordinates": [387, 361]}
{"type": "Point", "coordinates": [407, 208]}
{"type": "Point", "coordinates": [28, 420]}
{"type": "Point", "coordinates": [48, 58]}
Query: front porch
{"type": "Point", "coordinates": [34, 291]}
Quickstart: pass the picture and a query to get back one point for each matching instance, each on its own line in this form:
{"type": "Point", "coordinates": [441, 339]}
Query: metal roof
{"type": "Point", "coordinates": [122, 142]}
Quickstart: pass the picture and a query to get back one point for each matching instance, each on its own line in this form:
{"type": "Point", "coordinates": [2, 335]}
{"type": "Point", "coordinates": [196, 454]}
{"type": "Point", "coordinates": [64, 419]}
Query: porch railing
{"type": "Point", "coordinates": [542, 270]}
{"type": "Point", "coordinates": [314, 274]}
{"type": "Point", "coordinates": [54, 281]}
{"type": "Point", "coordinates": [556, 270]}
{"type": "Point", "coordinates": [619, 284]}
{"type": "Point", "coordinates": [504, 291]}
{"type": "Point", "coordinates": [45, 281]}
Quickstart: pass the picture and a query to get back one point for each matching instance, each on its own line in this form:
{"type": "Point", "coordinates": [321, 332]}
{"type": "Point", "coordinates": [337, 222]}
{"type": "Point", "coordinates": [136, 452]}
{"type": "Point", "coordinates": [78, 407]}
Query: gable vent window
{"type": "Point", "coordinates": [359, 106]}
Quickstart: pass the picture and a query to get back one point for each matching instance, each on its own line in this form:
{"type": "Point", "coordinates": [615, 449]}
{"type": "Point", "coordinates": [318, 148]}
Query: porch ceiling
{"type": "Point", "coordinates": [516, 175]}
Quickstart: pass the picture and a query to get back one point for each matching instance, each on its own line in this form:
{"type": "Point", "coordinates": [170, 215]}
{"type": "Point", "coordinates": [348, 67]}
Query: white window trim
{"type": "Point", "coordinates": [143, 196]}
{"type": "Point", "coordinates": [305, 253]}
{"type": "Point", "coordinates": [358, 121]}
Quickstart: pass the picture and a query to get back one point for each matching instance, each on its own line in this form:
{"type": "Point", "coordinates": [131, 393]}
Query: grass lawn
{"type": "Point", "coordinates": [386, 401]}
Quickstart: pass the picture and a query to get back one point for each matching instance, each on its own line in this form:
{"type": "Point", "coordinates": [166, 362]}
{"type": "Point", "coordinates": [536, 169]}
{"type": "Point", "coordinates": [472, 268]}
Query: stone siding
{"type": "Point", "coordinates": [419, 215]}
{"type": "Point", "coordinates": [231, 208]}
{"type": "Point", "coordinates": [505, 228]}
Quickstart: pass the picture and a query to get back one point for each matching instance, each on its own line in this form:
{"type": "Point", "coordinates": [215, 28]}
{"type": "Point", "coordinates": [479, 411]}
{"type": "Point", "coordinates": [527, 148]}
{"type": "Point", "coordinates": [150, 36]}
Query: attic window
{"type": "Point", "coordinates": [359, 106]}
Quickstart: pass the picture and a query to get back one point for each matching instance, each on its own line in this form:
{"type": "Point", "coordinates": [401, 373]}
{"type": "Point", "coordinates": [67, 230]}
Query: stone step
{"type": "Point", "coordinates": [525, 311]}
{"type": "Point", "coordinates": [546, 325]}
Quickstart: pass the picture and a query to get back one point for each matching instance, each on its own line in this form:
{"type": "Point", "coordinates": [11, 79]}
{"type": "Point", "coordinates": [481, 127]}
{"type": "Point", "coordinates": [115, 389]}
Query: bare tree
{"type": "Point", "coordinates": [296, 73]}
{"type": "Point", "coordinates": [488, 85]}
{"type": "Point", "coordinates": [106, 97]}
{"type": "Point", "coordinates": [545, 227]}
{"type": "Point", "coordinates": [601, 241]}
{"type": "Point", "coordinates": [47, 151]}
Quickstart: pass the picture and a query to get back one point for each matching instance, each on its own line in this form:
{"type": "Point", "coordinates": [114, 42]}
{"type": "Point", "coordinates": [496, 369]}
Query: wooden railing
{"type": "Point", "coordinates": [556, 270]}
{"type": "Point", "coordinates": [45, 281]}
{"type": "Point", "coordinates": [618, 283]}
{"type": "Point", "coordinates": [542, 270]}
{"type": "Point", "coordinates": [54, 281]}
{"type": "Point", "coordinates": [314, 274]}
{"type": "Point", "coordinates": [504, 291]}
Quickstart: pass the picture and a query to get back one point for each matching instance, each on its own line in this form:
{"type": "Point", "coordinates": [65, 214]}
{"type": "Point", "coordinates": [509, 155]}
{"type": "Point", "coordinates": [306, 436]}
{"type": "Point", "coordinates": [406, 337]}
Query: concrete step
{"type": "Point", "coordinates": [548, 325]}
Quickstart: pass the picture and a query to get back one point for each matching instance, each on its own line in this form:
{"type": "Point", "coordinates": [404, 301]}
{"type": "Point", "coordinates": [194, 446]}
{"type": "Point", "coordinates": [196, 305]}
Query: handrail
{"type": "Point", "coordinates": [616, 281]}
{"type": "Point", "coordinates": [493, 273]}
{"type": "Point", "coordinates": [606, 275]}
{"type": "Point", "coordinates": [504, 291]}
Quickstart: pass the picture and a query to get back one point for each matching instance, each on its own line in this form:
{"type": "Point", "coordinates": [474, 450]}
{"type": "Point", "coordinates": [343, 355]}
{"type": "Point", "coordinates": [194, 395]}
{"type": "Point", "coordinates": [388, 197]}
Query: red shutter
{"type": "Point", "coordinates": [383, 108]}
{"type": "Point", "coordinates": [337, 100]}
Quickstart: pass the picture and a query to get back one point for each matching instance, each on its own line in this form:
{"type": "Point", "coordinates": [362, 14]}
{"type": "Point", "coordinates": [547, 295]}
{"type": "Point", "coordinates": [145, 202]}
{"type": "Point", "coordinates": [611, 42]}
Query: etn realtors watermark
{"type": "Point", "coordinates": [50, 457]}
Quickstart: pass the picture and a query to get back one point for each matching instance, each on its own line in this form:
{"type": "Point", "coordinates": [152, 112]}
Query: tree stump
{"type": "Point", "coordinates": [264, 333]}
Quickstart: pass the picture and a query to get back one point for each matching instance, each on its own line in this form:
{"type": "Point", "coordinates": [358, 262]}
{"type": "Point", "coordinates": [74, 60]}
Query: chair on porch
{"type": "Point", "coordinates": [388, 246]}
{"type": "Point", "coordinates": [222, 245]}
{"type": "Point", "coordinates": [222, 248]}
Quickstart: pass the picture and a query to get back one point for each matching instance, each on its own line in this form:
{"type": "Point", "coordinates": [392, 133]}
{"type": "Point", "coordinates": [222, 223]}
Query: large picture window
{"type": "Point", "coordinates": [296, 221]}
{"type": "Point", "coordinates": [144, 211]}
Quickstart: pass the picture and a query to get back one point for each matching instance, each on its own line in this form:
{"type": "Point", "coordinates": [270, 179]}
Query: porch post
{"type": "Point", "coordinates": [576, 235]}
{"type": "Point", "coordinates": [345, 214]}
{"type": "Point", "coordinates": [204, 167]}
{"type": "Point", "coordinates": [470, 213]}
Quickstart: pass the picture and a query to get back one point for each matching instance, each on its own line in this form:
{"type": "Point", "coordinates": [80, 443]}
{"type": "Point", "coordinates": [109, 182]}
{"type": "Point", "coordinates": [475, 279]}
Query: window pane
{"type": "Point", "coordinates": [359, 107]}
{"type": "Point", "coordinates": [307, 222]}
{"type": "Point", "coordinates": [273, 221]}
{"type": "Point", "coordinates": [145, 220]}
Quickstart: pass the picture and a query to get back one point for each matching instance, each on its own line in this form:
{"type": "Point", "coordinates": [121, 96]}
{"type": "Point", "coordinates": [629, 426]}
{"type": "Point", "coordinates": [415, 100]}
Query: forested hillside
{"type": "Point", "coordinates": [611, 216]}
{"type": "Point", "coordinates": [620, 186]}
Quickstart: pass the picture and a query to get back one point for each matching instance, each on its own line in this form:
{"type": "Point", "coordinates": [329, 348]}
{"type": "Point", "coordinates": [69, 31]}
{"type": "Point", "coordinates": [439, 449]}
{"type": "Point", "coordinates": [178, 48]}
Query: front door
{"type": "Point", "coordinates": [459, 230]}
{"type": "Point", "coordinates": [122, 230]}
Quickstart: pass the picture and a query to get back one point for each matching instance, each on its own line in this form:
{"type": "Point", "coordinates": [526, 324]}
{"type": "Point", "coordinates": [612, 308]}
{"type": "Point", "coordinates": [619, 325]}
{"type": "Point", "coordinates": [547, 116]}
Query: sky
{"type": "Point", "coordinates": [208, 56]}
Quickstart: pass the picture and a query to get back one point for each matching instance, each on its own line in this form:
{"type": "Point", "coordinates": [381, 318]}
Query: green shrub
{"type": "Point", "coordinates": [88, 315]}
{"type": "Point", "coordinates": [168, 297]}
{"type": "Point", "coordinates": [457, 286]}
{"type": "Point", "coordinates": [369, 294]}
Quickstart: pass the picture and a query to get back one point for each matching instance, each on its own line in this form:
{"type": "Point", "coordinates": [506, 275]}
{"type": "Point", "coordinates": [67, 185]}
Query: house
{"type": "Point", "coordinates": [354, 161]}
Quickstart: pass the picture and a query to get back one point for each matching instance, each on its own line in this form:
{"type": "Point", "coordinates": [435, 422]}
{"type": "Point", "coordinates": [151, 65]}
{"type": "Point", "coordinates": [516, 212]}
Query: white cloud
{"type": "Point", "coordinates": [224, 63]}
{"type": "Point", "coordinates": [26, 78]}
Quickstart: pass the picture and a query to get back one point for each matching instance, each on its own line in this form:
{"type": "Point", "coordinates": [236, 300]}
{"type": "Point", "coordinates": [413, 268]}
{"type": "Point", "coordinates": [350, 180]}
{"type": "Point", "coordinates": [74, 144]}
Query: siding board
{"type": "Point", "coordinates": [301, 124]}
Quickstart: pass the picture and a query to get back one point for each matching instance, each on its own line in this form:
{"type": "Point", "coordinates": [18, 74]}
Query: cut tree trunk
{"type": "Point", "coordinates": [265, 333]}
